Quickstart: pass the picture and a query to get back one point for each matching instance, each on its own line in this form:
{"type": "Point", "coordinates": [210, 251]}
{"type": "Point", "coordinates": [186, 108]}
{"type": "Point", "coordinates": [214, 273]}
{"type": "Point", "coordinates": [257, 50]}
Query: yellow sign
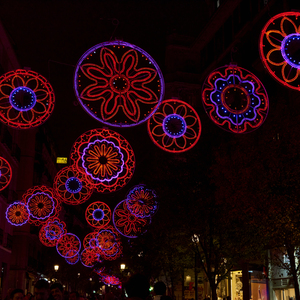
{"type": "Point", "coordinates": [61, 160]}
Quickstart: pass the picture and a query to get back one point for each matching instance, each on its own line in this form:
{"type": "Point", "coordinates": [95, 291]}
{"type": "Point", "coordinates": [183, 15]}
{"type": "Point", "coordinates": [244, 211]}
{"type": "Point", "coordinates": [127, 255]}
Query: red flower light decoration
{"type": "Point", "coordinates": [141, 201]}
{"type": "Point", "coordinates": [72, 186]}
{"type": "Point", "coordinates": [110, 279]}
{"type": "Point", "coordinates": [128, 224]}
{"type": "Point", "coordinates": [90, 240]}
{"type": "Point", "coordinates": [106, 157]}
{"type": "Point", "coordinates": [41, 203]}
{"type": "Point", "coordinates": [51, 231]}
{"type": "Point", "coordinates": [279, 48]}
{"type": "Point", "coordinates": [235, 99]}
{"type": "Point", "coordinates": [175, 126]}
{"type": "Point", "coordinates": [72, 260]}
{"type": "Point", "coordinates": [107, 238]}
{"type": "Point", "coordinates": [5, 173]}
{"type": "Point", "coordinates": [68, 245]}
{"type": "Point", "coordinates": [89, 257]}
{"type": "Point", "coordinates": [118, 83]}
{"type": "Point", "coordinates": [17, 213]}
{"type": "Point", "coordinates": [98, 214]}
{"type": "Point", "coordinates": [26, 99]}
{"type": "Point", "coordinates": [113, 253]}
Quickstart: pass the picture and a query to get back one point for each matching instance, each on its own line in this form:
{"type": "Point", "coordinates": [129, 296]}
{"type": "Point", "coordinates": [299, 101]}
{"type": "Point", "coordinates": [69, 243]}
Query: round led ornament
{"type": "Point", "coordinates": [41, 203]}
{"type": "Point", "coordinates": [68, 245]}
{"type": "Point", "coordinates": [112, 253]}
{"type": "Point", "coordinates": [72, 186]}
{"type": "Point", "coordinates": [128, 224]}
{"type": "Point", "coordinates": [279, 48]}
{"type": "Point", "coordinates": [98, 214]}
{"type": "Point", "coordinates": [235, 99]}
{"type": "Point", "coordinates": [90, 240]}
{"type": "Point", "coordinates": [107, 238]}
{"type": "Point", "coordinates": [26, 99]}
{"type": "Point", "coordinates": [89, 257]}
{"type": "Point", "coordinates": [110, 279]}
{"type": "Point", "coordinates": [175, 126]}
{"type": "Point", "coordinates": [17, 213]}
{"type": "Point", "coordinates": [5, 173]}
{"type": "Point", "coordinates": [105, 157]}
{"type": "Point", "coordinates": [141, 201]}
{"type": "Point", "coordinates": [118, 84]}
{"type": "Point", "coordinates": [51, 231]}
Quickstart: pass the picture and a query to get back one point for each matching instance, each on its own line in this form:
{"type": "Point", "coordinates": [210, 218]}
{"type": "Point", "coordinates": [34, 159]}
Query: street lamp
{"type": "Point", "coordinates": [122, 267]}
{"type": "Point", "coordinates": [56, 267]}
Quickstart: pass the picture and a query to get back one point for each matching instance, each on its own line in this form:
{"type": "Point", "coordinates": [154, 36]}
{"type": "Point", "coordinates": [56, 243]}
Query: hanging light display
{"type": "Point", "coordinates": [68, 245]}
{"type": "Point", "coordinates": [5, 173]}
{"type": "Point", "coordinates": [118, 83]}
{"type": "Point", "coordinates": [17, 213]}
{"type": "Point", "coordinates": [98, 214]}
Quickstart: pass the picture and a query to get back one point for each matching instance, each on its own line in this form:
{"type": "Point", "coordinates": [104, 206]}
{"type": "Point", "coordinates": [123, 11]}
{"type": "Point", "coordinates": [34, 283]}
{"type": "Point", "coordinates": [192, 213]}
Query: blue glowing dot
{"type": "Point", "coordinates": [22, 98]}
{"type": "Point", "coordinates": [174, 126]}
{"type": "Point", "coordinates": [98, 214]}
{"type": "Point", "coordinates": [73, 185]}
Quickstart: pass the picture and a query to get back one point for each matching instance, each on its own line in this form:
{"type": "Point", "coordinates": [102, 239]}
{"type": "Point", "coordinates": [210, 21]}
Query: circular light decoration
{"type": "Point", "coordinates": [41, 203]}
{"type": "Point", "coordinates": [90, 240]}
{"type": "Point", "coordinates": [68, 245]}
{"type": "Point", "coordinates": [118, 84]}
{"type": "Point", "coordinates": [51, 231]}
{"type": "Point", "coordinates": [141, 201]}
{"type": "Point", "coordinates": [26, 99]}
{"type": "Point", "coordinates": [89, 257]}
{"type": "Point", "coordinates": [128, 224]}
{"type": "Point", "coordinates": [175, 126]}
{"type": "Point", "coordinates": [72, 260]}
{"type": "Point", "coordinates": [279, 48]}
{"type": "Point", "coordinates": [106, 157]}
{"type": "Point", "coordinates": [235, 99]}
{"type": "Point", "coordinates": [98, 214]}
{"type": "Point", "coordinates": [5, 173]}
{"type": "Point", "coordinates": [107, 238]}
{"type": "Point", "coordinates": [17, 213]}
{"type": "Point", "coordinates": [110, 279]}
{"type": "Point", "coordinates": [72, 186]}
{"type": "Point", "coordinates": [113, 253]}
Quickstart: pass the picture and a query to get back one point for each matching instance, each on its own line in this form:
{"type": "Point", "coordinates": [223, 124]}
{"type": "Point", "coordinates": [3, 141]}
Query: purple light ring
{"type": "Point", "coordinates": [47, 216]}
{"type": "Point", "coordinates": [16, 90]}
{"type": "Point", "coordinates": [119, 43]}
{"type": "Point", "coordinates": [165, 121]}
{"type": "Point", "coordinates": [7, 210]}
{"type": "Point", "coordinates": [68, 182]}
{"type": "Point", "coordinates": [119, 151]}
{"type": "Point", "coordinates": [284, 43]}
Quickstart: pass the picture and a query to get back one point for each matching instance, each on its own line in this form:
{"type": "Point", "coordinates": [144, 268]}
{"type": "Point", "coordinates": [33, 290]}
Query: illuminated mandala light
{"type": "Point", "coordinates": [5, 173]}
{"type": "Point", "coordinates": [90, 240]}
{"type": "Point", "coordinates": [128, 224]}
{"type": "Point", "coordinates": [68, 245]}
{"type": "Point", "coordinates": [105, 157]}
{"type": "Point", "coordinates": [72, 186]}
{"type": "Point", "coordinates": [175, 126]}
{"type": "Point", "coordinates": [110, 279]}
{"type": "Point", "coordinates": [112, 253]}
{"type": "Point", "coordinates": [235, 99]}
{"type": "Point", "coordinates": [141, 201]}
{"type": "Point", "coordinates": [107, 238]}
{"type": "Point", "coordinates": [17, 213]}
{"type": "Point", "coordinates": [89, 257]}
{"type": "Point", "coordinates": [279, 48]}
{"type": "Point", "coordinates": [26, 99]}
{"type": "Point", "coordinates": [118, 84]}
{"type": "Point", "coordinates": [72, 260]}
{"type": "Point", "coordinates": [51, 231]}
{"type": "Point", "coordinates": [41, 203]}
{"type": "Point", "coordinates": [98, 214]}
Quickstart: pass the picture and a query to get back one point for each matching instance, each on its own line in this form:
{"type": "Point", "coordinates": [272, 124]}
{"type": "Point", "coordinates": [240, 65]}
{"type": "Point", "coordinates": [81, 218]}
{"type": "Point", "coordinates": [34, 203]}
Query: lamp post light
{"type": "Point", "coordinates": [56, 267]}
{"type": "Point", "coordinates": [122, 267]}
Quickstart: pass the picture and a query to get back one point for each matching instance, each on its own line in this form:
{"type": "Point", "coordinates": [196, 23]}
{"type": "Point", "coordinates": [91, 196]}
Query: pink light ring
{"type": "Point", "coordinates": [96, 178]}
{"type": "Point", "coordinates": [46, 216]}
{"type": "Point", "coordinates": [119, 43]}
{"type": "Point", "coordinates": [284, 49]}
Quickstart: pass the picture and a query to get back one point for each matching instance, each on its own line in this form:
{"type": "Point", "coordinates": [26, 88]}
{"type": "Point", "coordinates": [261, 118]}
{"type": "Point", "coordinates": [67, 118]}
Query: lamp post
{"type": "Point", "coordinates": [195, 240]}
{"type": "Point", "coordinates": [56, 267]}
{"type": "Point", "coordinates": [122, 267]}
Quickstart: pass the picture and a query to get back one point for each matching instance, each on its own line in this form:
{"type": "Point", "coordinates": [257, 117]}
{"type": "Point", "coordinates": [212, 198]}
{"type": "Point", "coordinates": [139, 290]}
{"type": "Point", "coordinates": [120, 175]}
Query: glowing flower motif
{"type": "Point", "coordinates": [112, 253]}
{"type": "Point", "coordinates": [17, 213]}
{"type": "Point", "coordinates": [51, 231]}
{"type": "Point", "coordinates": [106, 158]}
{"type": "Point", "coordinates": [128, 224]}
{"type": "Point", "coordinates": [175, 127]}
{"type": "Point", "coordinates": [72, 186]}
{"type": "Point", "coordinates": [279, 48]}
{"type": "Point", "coordinates": [5, 173]}
{"type": "Point", "coordinates": [89, 257]}
{"type": "Point", "coordinates": [102, 160]}
{"type": "Point", "coordinates": [235, 99]}
{"type": "Point", "coordinates": [107, 238]}
{"type": "Point", "coordinates": [41, 203]}
{"type": "Point", "coordinates": [90, 240]}
{"type": "Point", "coordinates": [26, 99]}
{"type": "Point", "coordinates": [68, 245]}
{"type": "Point", "coordinates": [141, 201]}
{"type": "Point", "coordinates": [98, 214]}
{"type": "Point", "coordinates": [72, 260]}
{"type": "Point", "coordinates": [110, 279]}
{"type": "Point", "coordinates": [118, 84]}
